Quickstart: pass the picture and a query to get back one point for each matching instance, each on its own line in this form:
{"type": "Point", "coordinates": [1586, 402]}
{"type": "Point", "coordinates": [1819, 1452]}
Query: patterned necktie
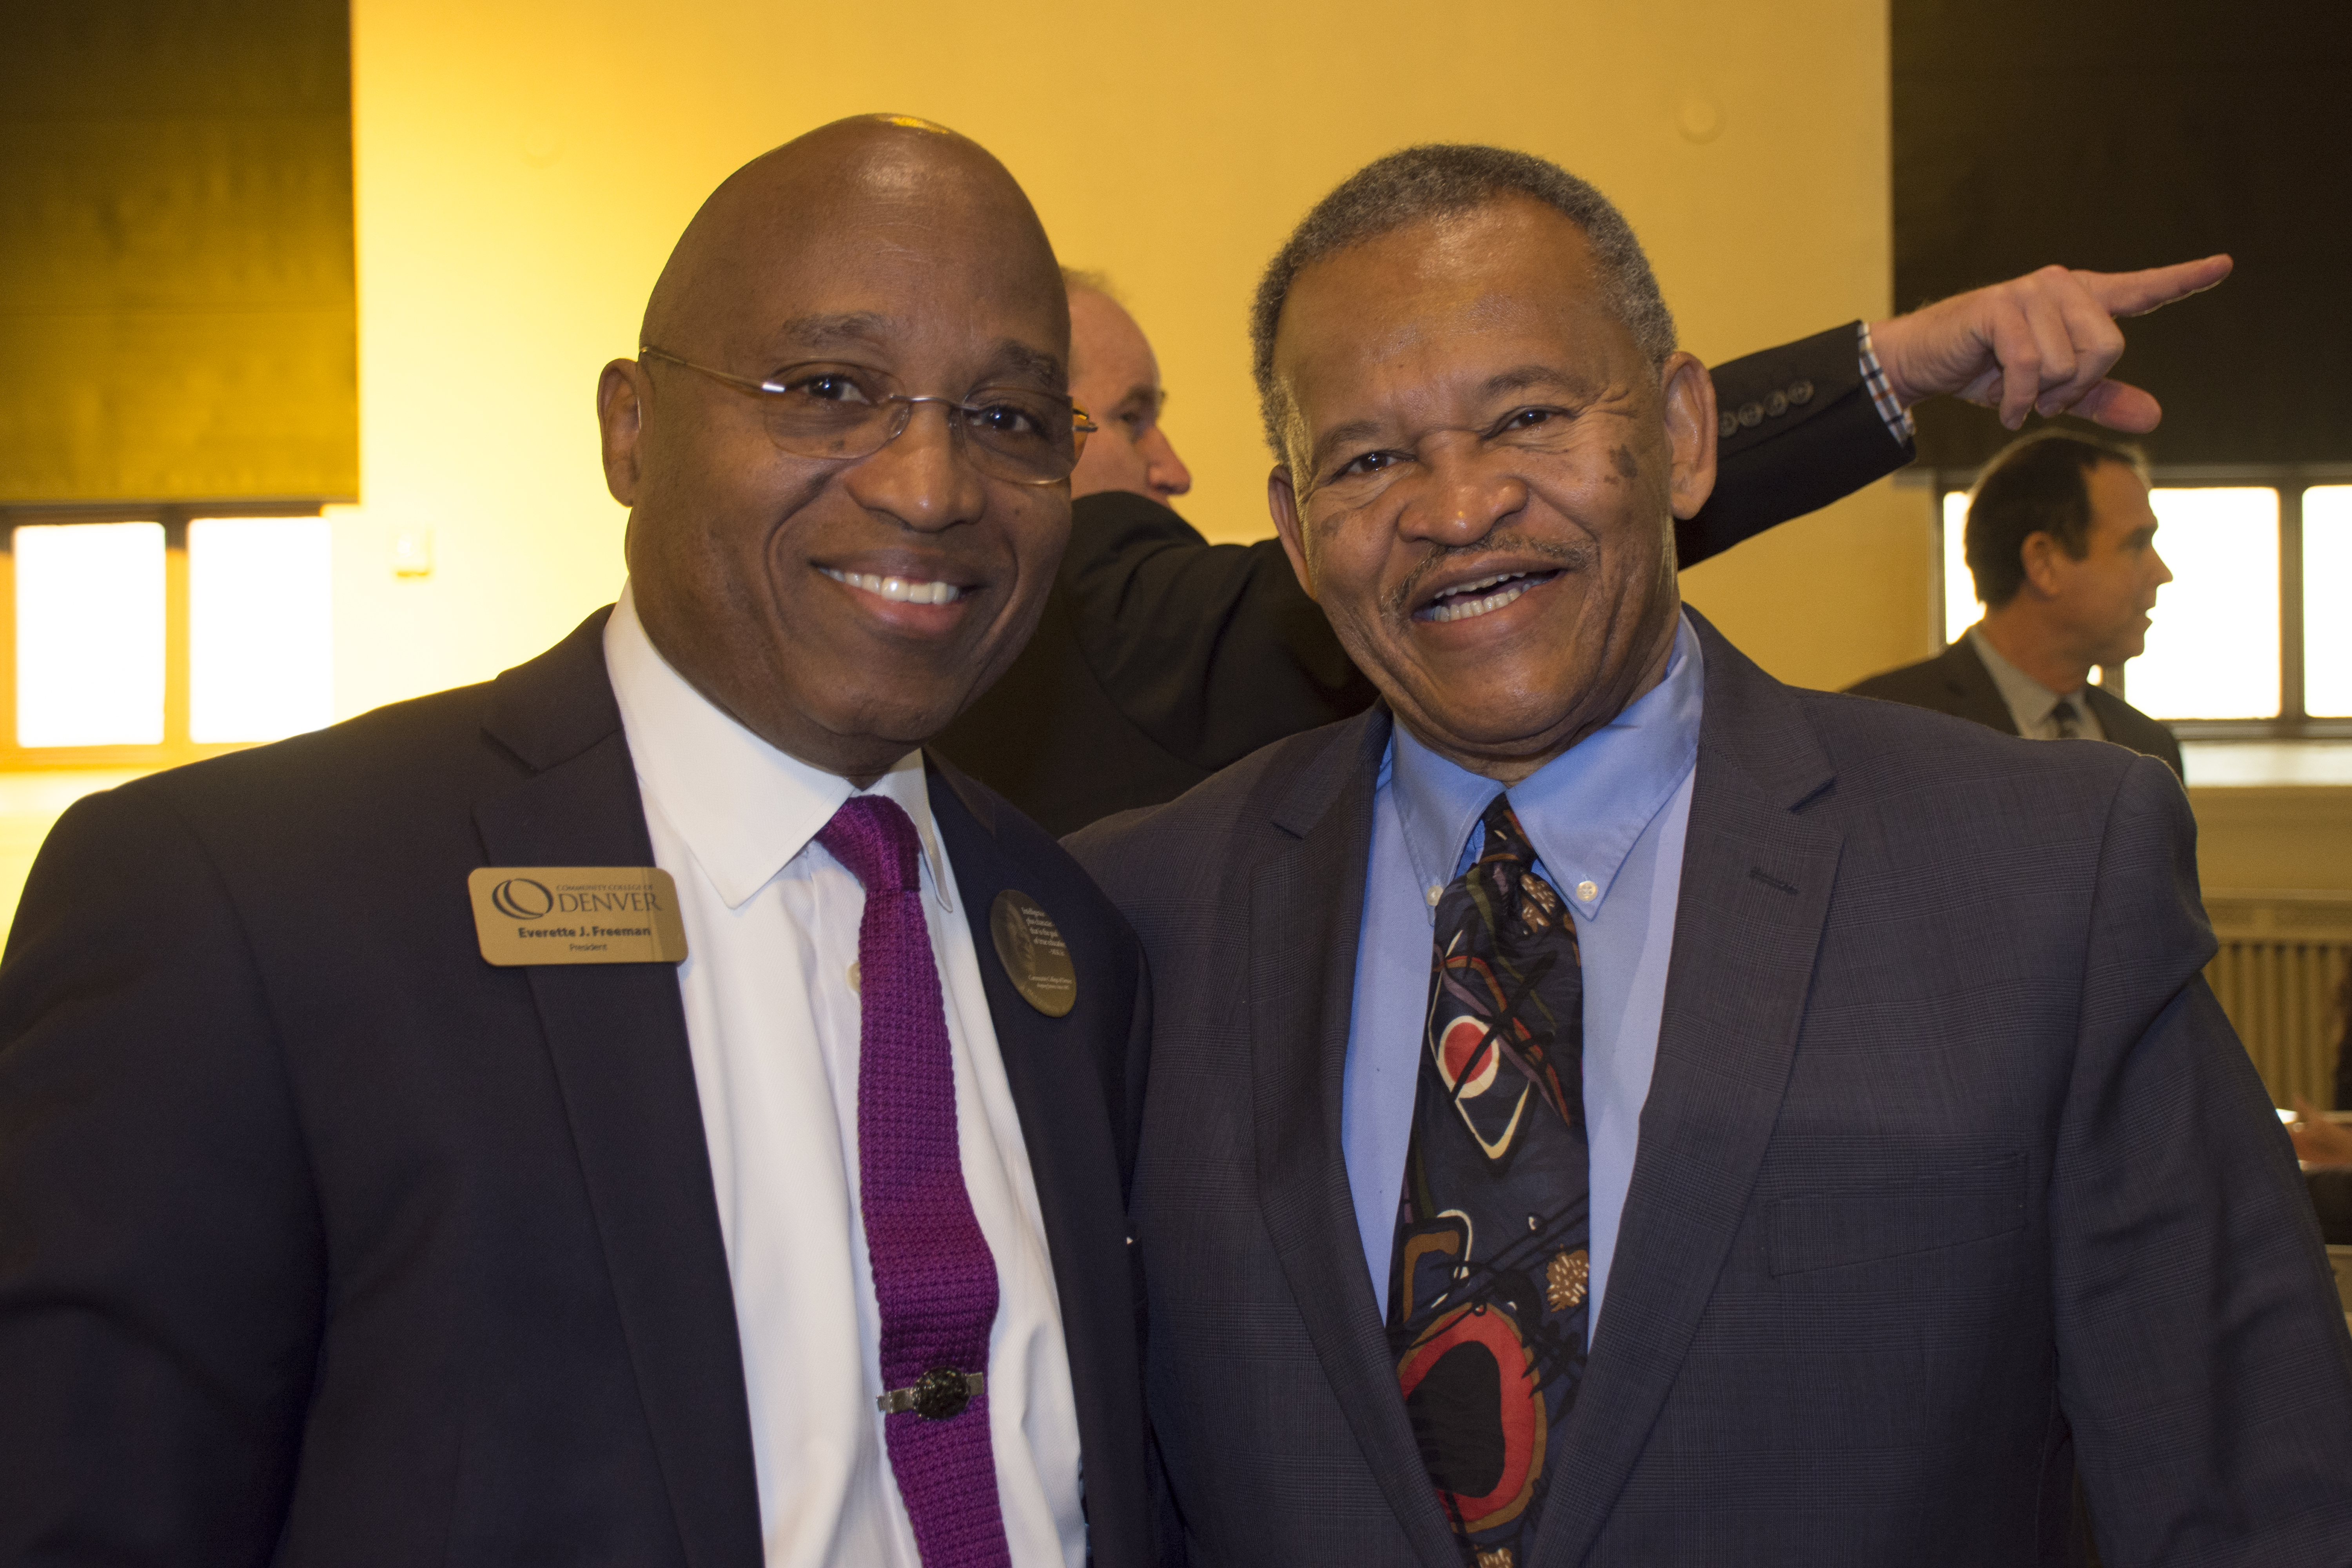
{"type": "Point", "coordinates": [2069, 722]}
{"type": "Point", "coordinates": [934, 1279]}
{"type": "Point", "coordinates": [1487, 1280]}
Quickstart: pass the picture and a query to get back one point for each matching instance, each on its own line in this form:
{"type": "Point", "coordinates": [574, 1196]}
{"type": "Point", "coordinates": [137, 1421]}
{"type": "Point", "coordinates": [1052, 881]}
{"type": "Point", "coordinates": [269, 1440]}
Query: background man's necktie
{"type": "Point", "coordinates": [1487, 1279]}
{"type": "Point", "coordinates": [934, 1279]}
{"type": "Point", "coordinates": [2069, 722]}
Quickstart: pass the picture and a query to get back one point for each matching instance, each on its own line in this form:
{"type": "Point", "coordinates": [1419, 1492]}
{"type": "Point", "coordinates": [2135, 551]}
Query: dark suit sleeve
{"type": "Point", "coordinates": [1786, 464]}
{"type": "Point", "coordinates": [161, 1260]}
{"type": "Point", "coordinates": [1215, 650]}
{"type": "Point", "coordinates": [2203, 1357]}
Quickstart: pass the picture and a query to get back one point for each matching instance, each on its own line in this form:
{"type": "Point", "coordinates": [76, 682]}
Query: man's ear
{"type": "Point", "coordinates": [1688, 394]}
{"type": "Point", "coordinates": [2039, 555]}
{"type": "Point", "coordinates": [620, 393]}
{"type": "Point", "coordinates": [1282, 501]}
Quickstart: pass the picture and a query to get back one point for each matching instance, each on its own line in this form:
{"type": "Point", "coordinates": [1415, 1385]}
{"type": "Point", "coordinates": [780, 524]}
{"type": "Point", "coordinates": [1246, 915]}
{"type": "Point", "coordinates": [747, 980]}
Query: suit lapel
{"type": "Point", "coordinates": [1757, 876]}
{"type": "Point", "coordinates": [1305, 908]}
{"type": "Point", "coordinates": [617, 1035]}
{"type": "Point", "coordinates": [1066, 1114]}
{"type": "Point", "coordinates": [1974, 693]}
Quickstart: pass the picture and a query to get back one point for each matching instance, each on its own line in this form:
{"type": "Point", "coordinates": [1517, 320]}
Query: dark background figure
{"type": "Point", "coordinates": [2062, 544]}
{"type": "Point", "coordinates": [2344, 1047]}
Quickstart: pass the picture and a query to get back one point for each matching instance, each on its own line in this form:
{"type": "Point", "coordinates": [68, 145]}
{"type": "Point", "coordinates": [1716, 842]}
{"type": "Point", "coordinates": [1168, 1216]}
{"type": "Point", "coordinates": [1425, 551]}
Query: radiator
{"type": "Point", "coordinates": [2282, 957]}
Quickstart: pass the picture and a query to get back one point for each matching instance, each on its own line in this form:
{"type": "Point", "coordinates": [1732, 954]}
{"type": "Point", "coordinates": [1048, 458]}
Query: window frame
{"type": "Point", "coordinates": [176, 747]}
{"type": "Point", "coordinates": [2289, 480]}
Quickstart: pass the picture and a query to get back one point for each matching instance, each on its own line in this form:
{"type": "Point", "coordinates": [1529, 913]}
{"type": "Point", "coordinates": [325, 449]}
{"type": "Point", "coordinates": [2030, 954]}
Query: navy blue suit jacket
{"type": "Point", "coordinates": [322, 1241]}
{"type": "Point", "coordinates": [1952, 1177]}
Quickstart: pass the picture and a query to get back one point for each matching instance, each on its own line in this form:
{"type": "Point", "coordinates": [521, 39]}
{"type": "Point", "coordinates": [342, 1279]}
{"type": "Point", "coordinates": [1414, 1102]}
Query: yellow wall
{"type": "Point", "coordinates": [523, 168]}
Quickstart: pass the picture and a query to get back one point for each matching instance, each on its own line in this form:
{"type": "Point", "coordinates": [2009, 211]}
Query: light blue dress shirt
{"type": "Point", "coordinates": [1607, 819]}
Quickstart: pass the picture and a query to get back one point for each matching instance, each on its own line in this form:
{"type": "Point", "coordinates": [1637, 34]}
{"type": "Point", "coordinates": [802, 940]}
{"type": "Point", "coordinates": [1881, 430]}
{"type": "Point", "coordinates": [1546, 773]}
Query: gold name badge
{"type": "Point", "coordinates": [576, 914]}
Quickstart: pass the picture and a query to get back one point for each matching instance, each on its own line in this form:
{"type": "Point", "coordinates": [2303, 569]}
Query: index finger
{"type": "Point", "coordinates": [2137, 293]}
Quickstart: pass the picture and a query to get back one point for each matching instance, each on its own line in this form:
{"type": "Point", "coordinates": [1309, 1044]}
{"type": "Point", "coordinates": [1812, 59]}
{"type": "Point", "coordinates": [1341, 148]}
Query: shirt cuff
{"type": "Point", "coordinates": [1899, 423]}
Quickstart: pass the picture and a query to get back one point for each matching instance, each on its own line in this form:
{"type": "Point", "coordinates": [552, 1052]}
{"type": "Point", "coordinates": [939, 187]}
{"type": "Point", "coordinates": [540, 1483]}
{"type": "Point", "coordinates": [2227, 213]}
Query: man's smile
{"type": "Point", "coordinates": [1483, 597]}
{"type": "Point", "coordinates": [902, 590]}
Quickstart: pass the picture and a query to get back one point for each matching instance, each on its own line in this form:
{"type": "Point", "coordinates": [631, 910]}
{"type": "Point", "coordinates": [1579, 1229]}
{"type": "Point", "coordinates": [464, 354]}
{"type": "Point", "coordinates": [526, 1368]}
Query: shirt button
{"type": "Point", "coordinates": [852, 974]}
{"type": "Point", "coordinates": [1436, 891]}
{"type": "Point", "coordinates": [1588, 891]}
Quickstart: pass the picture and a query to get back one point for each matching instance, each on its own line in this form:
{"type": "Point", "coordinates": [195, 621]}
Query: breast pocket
{"type": "Point", "coordinates": [1825, 1228]}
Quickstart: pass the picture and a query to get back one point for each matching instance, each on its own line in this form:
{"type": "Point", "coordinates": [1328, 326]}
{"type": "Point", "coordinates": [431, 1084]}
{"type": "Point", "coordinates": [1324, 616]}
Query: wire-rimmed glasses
{"type": "Point", "coordinates": [844, 411]}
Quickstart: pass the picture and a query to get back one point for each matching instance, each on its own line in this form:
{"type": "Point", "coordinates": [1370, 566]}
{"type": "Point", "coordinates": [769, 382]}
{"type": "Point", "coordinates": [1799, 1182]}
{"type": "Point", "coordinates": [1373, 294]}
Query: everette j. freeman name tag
{"type": "Point", "coordinates": [576, 914]}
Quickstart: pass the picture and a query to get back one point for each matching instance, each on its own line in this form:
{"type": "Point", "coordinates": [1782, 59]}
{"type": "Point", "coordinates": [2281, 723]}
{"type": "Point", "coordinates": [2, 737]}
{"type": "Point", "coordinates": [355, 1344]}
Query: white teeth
{"type": "Point", "coordinates": [1463, 609]}
{"type": "Point", "coordinates": [907, 590]}
{"type": "Point", "coordinates": [1450, 607]}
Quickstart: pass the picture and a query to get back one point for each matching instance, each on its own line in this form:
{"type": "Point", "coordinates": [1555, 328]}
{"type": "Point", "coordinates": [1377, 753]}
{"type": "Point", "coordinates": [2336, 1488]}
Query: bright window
{"type": "Point", "coordinates": [89, 634]}
{"type": "Point", "coordinates": [2249, 641]}
{"type": "Point", "coordinates": [259, 636]}
{"type": "Point", "coordinates": [2327, 572]}
{"type": "Point", "coordinates": [2213, 649]}
{"type": "Point", "coordinates": [1961, 607]}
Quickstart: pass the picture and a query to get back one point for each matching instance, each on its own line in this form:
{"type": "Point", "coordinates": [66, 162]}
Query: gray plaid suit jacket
{"type": "Point", "coordinates": [1952, 1179]}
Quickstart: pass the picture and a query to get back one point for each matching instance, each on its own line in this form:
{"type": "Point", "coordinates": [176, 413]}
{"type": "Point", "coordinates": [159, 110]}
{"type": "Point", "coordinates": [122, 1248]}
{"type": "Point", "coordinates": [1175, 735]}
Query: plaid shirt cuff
{"type": "Point", "coordinates": [1899, 423]}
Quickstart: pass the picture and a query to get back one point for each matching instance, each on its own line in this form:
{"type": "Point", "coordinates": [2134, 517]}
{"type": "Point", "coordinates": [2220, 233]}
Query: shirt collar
{"type": "Point", "coordinates": [2029, 701]}
{"type": "Point", "coordinates": [1582, 811]}
{"type": "Point", "coordinates": [744, 808]}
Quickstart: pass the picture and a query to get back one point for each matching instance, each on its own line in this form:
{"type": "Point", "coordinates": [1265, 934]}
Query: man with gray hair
{"type": "Point", "coordinates": [1160, 657]}
{"type": "Point", "coordinates": [1606, 1107]}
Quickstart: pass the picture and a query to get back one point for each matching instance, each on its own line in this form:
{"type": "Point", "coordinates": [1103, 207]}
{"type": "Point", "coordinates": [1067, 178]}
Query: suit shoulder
{"type": "Point", "coordinates": [388, 749]}
{"type": "Point", "coordinates": [1111, 524]}
{"type": "Point", "coordinates": [1894, 746]}
{"type": "Point", "coordinates": [1900, 684]}
{"type": "Point", "coordinates": [1202, 828]}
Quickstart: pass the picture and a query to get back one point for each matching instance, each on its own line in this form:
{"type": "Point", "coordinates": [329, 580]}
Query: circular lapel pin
{"type": "Point", "coordinates": [1030, 946]}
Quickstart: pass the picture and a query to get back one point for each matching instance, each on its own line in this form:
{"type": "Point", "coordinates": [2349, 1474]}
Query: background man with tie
{"type": "Point", "coordinates": [1606, 1107]}
{"type": "Point", "coordinates": [323, 1240]}
{"type": "Point", "coordinates": [2062, 543]}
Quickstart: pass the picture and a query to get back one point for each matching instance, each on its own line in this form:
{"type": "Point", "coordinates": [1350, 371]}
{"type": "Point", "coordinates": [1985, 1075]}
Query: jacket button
{"type": "Point", "coordinates": [1801, 393]}
{"type": "Point", "coordinates": [1776, 404]}
{"type": "Point", "coordinates": [1751, 415]}
{"type": "Point", "coordinates": [1727, 423]}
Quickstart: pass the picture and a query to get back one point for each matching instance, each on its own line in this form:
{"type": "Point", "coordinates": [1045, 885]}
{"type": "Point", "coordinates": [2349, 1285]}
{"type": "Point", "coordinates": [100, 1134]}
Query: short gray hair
{"type": "Point", "coordinates": [1436, 180]}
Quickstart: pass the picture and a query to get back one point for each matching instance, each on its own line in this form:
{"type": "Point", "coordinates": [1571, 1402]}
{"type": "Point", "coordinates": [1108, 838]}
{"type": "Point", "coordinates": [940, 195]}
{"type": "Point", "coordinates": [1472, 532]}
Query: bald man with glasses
{"type": "Point", "coordinates": [642, 1109]}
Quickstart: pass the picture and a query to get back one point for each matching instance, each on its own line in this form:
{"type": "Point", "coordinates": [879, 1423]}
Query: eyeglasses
{"type": "Point", "coordinates": [845, 412]}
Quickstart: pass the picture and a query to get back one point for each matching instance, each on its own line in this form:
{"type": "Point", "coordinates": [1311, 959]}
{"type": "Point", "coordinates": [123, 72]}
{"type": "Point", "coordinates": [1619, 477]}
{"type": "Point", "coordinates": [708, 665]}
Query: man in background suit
{"type": "Point", "coordinates": [1162, 658]}
{"type": "Point", "coordinates": [323, 1240]}
{"type": "Point", "coordinates": [1608, 1107]}
{"type": "Point", "coordinates": [2062, 543]}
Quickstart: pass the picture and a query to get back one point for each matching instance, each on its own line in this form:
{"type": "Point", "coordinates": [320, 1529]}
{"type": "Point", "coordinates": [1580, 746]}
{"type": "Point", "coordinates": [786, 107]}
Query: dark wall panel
{"type": "Point", "coordinates": [177, 315]}
{"type": "Point", "coordinates": [2114, 135]}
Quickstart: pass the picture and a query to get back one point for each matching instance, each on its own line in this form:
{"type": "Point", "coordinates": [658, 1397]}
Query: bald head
{"type": "Point", "coordinates": [884, 180]}
{"type": "Point", "coordinates": [845, 604]}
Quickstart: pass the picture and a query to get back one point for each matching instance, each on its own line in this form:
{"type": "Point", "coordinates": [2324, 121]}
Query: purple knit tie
{"type": "Point", "coordinates": [934, 1279]}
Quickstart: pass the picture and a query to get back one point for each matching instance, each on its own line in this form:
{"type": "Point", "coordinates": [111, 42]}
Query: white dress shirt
{"type": "Point", "coordinates": [771, 1018]}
